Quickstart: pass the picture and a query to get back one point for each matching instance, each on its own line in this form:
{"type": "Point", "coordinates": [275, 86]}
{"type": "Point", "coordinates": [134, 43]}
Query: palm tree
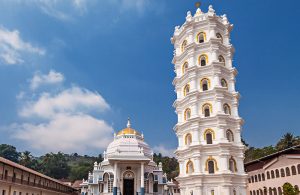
{"type": "Point", "coordinates": [26, 159]}
{"type": "Point", "coordinates": [288, 140]}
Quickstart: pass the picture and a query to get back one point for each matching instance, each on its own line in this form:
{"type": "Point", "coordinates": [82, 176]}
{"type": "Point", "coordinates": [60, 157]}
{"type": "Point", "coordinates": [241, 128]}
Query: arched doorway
{"type": "Point", "coordinates": [128, 183]}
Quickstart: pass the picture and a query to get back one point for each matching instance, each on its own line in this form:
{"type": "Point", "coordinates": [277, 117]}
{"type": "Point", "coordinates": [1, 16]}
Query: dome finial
{"type": "Point", "coordinates": [198, 4]}
{"type": "Point", "coordinates": [128, 123]}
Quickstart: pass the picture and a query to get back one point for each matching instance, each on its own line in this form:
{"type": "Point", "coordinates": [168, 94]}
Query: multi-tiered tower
{"type": "Point", "coordinates": [210, 151]}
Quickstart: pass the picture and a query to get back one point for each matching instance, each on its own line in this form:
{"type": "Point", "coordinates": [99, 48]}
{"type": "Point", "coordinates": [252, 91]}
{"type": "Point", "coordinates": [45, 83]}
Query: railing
{"type": "Point", "coordinates": [10, 179]}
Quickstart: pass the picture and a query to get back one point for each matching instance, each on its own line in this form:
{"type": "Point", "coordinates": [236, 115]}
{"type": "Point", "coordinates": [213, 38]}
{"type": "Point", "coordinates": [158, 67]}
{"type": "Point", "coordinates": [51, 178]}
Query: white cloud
{"type": "Point", "coordinates": [52, 77]}
{"type": "Point", "coordinates": [66, 133]}
{"type": "Point", "coordinates": [62, 10]}
{"type": "Point", "coordinates": [72, 100]}
{"type": "Point", "coordinates": [164, 151]}
{"type": "Point", "coordinates": [139, 5]}
{"type": "Point", "coordinates": [69, 9]}
{"type": "Point", "coordinates": [12, 47]}
{"type": "Point", "coordinates": [61, 121]}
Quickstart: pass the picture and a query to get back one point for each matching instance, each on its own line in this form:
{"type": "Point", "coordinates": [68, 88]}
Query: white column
{"type": "Point", "coordinates": [115, 178]}
{"type": "Point", "coordinates": [142, 179]}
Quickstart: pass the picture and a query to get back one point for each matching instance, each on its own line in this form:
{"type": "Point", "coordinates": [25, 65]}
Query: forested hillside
{"type": "Point", "coordinates": [75, 166]}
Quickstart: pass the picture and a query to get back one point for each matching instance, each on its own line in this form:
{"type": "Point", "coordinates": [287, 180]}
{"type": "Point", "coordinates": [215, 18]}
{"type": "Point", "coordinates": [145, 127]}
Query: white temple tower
{"type": "Point", "coordinates": [210, 151]}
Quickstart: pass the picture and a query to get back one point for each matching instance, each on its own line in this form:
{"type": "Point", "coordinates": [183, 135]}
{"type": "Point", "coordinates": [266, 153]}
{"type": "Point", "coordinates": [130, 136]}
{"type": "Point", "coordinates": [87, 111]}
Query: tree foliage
{"type": "Point", "coordinates": [288, 189]}
{"type": "Point", "coordinates": [288, 140]}
{"type": "Point", "coordinates": [170, 165]}
{"type": "Point", "coordinates": [55, 165]}
{"type": "Point", "coordinates": [9, 152]}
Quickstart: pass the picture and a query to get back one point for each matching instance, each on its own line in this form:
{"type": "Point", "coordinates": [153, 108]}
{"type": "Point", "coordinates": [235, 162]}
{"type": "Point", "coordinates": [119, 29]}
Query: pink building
{"type": "Point", "coordinates": [267, 175]}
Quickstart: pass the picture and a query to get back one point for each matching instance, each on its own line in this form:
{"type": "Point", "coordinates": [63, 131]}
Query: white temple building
{"type": "Point", "coordinates": [210, 152]}
{"type": "Point", "coordinates": [127, 169]}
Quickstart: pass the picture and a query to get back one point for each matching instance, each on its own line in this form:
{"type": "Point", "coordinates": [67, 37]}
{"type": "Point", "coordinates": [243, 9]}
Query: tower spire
{"type": "Point", "coordinates": [128, 123]}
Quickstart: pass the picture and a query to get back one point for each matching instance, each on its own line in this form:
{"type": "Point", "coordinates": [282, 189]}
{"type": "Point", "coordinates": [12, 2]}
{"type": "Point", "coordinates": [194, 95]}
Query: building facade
{"type": "Point", "coordinates": [267, 175]}
{"type": "Point", "coordinates": [128, 169]}
{"type": "Point", "coordinates": [210, 152]}
{"type": "Point", "coordinates": [19, 180]}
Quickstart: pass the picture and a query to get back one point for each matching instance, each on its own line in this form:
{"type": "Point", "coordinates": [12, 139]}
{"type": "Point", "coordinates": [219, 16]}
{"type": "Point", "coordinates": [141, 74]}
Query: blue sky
{"type": "Point", "coordinates": [72, 71]}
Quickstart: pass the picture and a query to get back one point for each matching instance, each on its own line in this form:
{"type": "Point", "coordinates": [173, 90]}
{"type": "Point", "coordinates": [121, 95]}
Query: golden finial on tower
{"type": "Point", "coordinates": [198, 4]}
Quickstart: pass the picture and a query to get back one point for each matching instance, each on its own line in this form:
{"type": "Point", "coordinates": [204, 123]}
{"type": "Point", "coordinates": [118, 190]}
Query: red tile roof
{"type": "Point", "coordinates": [18, 166]}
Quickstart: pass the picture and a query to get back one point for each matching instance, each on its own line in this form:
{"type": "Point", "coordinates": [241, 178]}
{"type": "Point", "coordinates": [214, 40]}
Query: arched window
{"type": "Point", "coordinates": [205, 84]}
{"type": "Point", "coordinates": [203, 60]}
{"type": "Point", "coordinates": [252, 179]}
{"type": "Point", "coordinates": [277, 173]}
{"type": "Point", "coordinates": [250, 192]}
{"type": "Point", "coordinates": [260, 191]}
{"type": "Point", "coordinates": [265, 191]}
{"type": "Point", "coordinates": [183, 45]}
{"type": "Point", "coordinates": [282, 172]}
{"type": "Point", "coordinates": [221, 59]}
{"type": "Point", "coordinates": [279, 191]}
{"type": "Point", "coordinates": [187, 114]}
{"type": "Point", "coordinates": [254, 193]}
{"type": "Point", "coordinates": [186, 89]}
{"type": "Point", "coordinates": [234, 192]}
{"type": "Point", "coordinates": [287, 171]}
{"type": "Point", "coordinates": [294, 172]}
{"type": "Point", "coordinates": [263, 176]}
{"type": "Point", "coordinates": [255, 177]}
{"type": "Point", "coordinates": [207, 109]}
{"type": "Point", "coordinates": [272, 174]}
{"type": "Point", "coordinates": [211, 165]}
{"type": "Point", "coordinates": [201, 37]}
{"type": "Point", "coordinates": [268, 175]}
{"type": "Point", "coordinates": [224, 83]}
{"type": "Point", "coordinates": [189, 167]}
{"type": "Point", "coordinates": [229, 135]}
{"type": "Point", "coordinates": [185, 67]}
{"type": "Point", "coordinates": [257, 192]}
{"type": "Point", "coordinates": [227, 109]}
{"type": "Point", "coordinates": [232, 165]}
{"type": "Point", "coordinates": [298, 167]}
{"type": "Point", "coordinates": [209, 136]}
{"type": "Point", "coordinates": [188, 139]}
{"type": "Point", "coordinates": [108, 183]}
{"type": "Point", "coordinates": [259, 177]}
{"type": "Point", "coordinates": [297, 188]}
{"type": "Point", "coordinates": [249, 180]}
{"type": "Point", "coordinates": [219, 36]}
{"type": "Point", "coordinates": [270, 191]}
{"type": "Point", "coordinates": [275, 191]}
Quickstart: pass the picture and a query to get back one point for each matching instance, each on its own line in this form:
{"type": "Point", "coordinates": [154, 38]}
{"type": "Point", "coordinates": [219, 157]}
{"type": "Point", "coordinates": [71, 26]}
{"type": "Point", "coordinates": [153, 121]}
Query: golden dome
{"type": "Point", "coordinates": [128, 130]}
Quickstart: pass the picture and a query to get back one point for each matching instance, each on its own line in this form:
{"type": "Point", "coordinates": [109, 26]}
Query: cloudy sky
{"type": "Point", "coordinates": [72, 71]}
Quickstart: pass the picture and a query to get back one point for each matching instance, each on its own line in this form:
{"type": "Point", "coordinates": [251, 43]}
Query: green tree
{"type": "Point", "coordinates": [80, 170]}
{"type": "Point", "coordinates": [9, 152]}
{"type": "Point", "coordinates": [253, 153]}
{"type": "Point", "coordinates": [55, 165]}
{"type": "Point", "coordinates": [288, 140]}
{"type": "Point", "coordinates": [26, 158]}
{"type": "Point", "coordinates": [288, 189]}
{"type": "Point", "coordinates": [170, 165]}
{"type": "Point", "coordinates": [29, 161]}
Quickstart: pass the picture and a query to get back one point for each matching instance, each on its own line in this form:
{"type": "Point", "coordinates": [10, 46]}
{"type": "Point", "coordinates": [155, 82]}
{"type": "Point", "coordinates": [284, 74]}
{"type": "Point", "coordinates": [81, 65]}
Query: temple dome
{"type": "Point", "coordinates": [128, 130]}
{"type": "Point", "coordinates": [129, 144]}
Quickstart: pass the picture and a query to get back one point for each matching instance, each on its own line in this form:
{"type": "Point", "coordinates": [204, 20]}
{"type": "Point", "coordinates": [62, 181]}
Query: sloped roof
{"type": "Point", "coordinates": [23, 168]}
